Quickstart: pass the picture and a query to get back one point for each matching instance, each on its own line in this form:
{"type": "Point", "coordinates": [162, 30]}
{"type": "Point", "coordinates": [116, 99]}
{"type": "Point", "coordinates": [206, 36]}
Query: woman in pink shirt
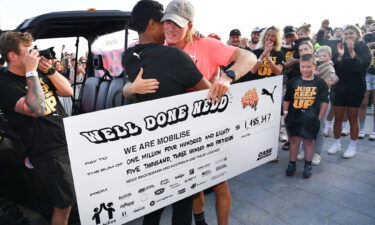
{"type": "Point", "coordinates": [209, 55]}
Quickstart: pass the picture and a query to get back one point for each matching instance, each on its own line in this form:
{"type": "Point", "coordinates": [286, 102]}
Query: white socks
{"type": "Point", "coordinates": [329, 123]}
{"type": "Point", "coordinates": [353, 143]}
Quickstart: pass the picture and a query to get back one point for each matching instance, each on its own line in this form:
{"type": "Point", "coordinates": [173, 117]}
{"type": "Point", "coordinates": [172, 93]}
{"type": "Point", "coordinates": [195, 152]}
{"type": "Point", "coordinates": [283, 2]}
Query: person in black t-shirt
{"type": "Point", "coordinates": [290, 36]}
{"type": "Point", "coordinates": [304, 34]}
{"type": "Point", "coordinates": [351, 67]}
{"type": "Point", "coordinates": [305, 47]}
{"type": "Point", "coordinates": [29, 101]}
{"type": "Point", "coordinates": [175, 73]}
{"type": "Point", "coordinates": [269, 56]}
{"type": "Point", "coordinates": [305, 103]}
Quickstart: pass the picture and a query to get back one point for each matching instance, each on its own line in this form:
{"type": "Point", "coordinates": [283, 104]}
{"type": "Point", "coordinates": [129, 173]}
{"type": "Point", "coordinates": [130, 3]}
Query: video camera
{"type": "Point", "coordinates": [369, 37]}
{"type": "Point", "coordinates": [46, 53]}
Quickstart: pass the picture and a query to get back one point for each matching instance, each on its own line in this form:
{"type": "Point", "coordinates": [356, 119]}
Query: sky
{"type": "Point", "coordinates": [219, 16]}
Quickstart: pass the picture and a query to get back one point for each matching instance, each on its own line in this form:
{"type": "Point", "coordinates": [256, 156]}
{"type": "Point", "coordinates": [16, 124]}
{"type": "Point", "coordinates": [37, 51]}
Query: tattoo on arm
{"type": "Point", "coordinates": [33, 104]}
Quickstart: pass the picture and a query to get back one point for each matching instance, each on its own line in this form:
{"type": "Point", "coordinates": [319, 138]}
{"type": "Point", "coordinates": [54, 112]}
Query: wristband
{"type": "Point", "coordinates": [285, 112]}
{"type": "Point", "coordinates": [32, 74]}
{"type": "Point", "coordinates": [259, 60]}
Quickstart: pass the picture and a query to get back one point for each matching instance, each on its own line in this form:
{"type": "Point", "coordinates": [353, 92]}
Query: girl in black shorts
{"type": "Point", "coordinates": [351, 66]}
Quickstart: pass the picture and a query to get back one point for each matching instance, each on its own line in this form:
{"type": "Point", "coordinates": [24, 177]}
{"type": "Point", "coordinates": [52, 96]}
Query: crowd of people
{"type": "Point", "coordinates": [346, 64]}
{"type": "Point", "coordinates": [329, 79]}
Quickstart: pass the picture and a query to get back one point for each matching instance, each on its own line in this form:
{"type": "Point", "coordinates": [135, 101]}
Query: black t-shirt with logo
{"type": "Point", "coordinates": [172, 67]}
{"type": "Point", "coordinates": [305, 97]}
{"type": "Point", "coordinates": [264, 70]}
{"type": "Point", "coordinates": [43, 137]}
{"type": "Point", "coordinates": [288, 55]}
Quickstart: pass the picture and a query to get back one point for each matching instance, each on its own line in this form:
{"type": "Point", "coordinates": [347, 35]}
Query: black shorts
{"type": "Point", "coordinates": [56, 175]}
{"type": "Point", "coordinates": [347, 99]}
{"type": "Point", "coordinates": [331, 95]}
{"type": "Point", "coordinates": [307, 128]}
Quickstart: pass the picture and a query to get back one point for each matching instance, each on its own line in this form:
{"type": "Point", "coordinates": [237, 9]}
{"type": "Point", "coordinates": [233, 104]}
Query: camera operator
{"type": "Point", "coordinates": [30, 103]}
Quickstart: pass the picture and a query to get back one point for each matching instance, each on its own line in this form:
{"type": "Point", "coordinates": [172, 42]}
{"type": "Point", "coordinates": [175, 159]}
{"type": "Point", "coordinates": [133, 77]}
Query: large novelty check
{"type": "Point", "coordinates": [131, 160]}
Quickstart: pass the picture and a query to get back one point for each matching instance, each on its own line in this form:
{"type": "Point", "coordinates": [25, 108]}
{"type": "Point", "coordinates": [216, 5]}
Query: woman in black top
{"type": "Point", "coordinates": [269, 55]}
{"type": "Point", "coordinates": [351, 65]}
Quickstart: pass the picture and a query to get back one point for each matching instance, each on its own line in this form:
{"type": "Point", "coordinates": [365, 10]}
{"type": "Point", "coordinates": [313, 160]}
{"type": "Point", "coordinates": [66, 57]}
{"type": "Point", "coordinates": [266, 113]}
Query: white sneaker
{"type": "Point", "coordinates": [316, 159]}
{"type": "Point", "coordinates": [350, 152]}
{"type": "Point", "coordinates": [334, 148]}
{"type": "Point", "coordinates": [361, 134]}
{"type": "Point", "coordinates": [282, 137]}
{"type": "Point", "coordinates": [345, 131]}
{"type": "Point", "coordinates": [372, 136]}
{"type": "Point", "coordinates": [327, 131]}
{"type": "Point", "coordinates": [301, 155]}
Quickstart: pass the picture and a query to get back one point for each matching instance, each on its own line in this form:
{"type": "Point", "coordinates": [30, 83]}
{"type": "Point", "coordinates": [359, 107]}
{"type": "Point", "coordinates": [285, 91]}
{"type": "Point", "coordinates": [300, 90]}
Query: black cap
{"type": "Point", "coordinates": [289, 30]}
{"type": "Point", "coordinates": [235, 32]}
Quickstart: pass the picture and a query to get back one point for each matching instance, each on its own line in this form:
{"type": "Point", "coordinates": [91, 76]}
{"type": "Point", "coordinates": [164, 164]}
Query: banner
{"type": "Point", "coordinates": [132, 160]}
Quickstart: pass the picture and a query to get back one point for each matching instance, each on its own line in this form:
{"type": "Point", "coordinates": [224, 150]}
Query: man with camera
{"type": "Point", "coordinates": [29, 100]}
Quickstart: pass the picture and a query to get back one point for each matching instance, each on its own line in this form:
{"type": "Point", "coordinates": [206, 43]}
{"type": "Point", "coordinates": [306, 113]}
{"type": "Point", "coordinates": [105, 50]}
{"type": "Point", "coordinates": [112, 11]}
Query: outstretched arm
{"type": "Point", "coordinates": [33, 104]}
{"type": "Point", "coordinates": [243, 61]}
{"type": "Point", "coordinates": [62, 85]}
{"type": "Point", "coordinates": [140, 86]}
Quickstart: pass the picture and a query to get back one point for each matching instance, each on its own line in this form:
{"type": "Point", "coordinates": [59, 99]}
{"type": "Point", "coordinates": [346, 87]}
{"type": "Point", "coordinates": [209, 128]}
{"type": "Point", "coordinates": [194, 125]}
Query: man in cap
{"type": "Point", "coordinates": [290, 36]}
{"type": "Point", "coordinates": [255, 34]}
{"type": "Point", "coordinates": [235, 38]}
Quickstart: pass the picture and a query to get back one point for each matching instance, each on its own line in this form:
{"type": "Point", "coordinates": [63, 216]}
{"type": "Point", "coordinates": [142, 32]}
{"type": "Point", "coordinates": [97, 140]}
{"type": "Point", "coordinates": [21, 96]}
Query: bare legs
{"type": "Point", "coordinates": [60, 216]}
{"type": "Point", "coordinates": [223, 203]}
